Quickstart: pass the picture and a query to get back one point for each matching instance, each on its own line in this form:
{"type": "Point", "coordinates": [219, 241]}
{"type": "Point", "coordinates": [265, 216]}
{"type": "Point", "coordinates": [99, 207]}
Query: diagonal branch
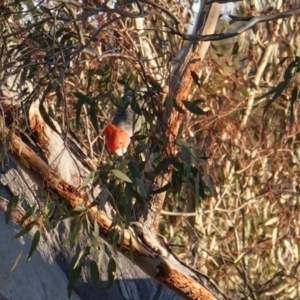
{"type": "Point", "coordinates": [252, 21]}
{"type": "Point", "coordinates": [153, 260]}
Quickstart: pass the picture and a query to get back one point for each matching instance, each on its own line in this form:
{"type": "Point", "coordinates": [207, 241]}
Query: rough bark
{"type": "Point", "coordinates": [149, 255]}
{"type": "Point", "coordinates": [188, 60]}
{"type": "Point", "coordinates": [59, 169]}
{"type": "Point", "coordinates": [49, 265]}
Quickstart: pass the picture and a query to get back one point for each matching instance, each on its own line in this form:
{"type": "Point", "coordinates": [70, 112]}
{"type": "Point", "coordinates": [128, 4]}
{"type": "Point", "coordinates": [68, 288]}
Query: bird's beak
{"type": "Point", "coordinates": [121, 151]}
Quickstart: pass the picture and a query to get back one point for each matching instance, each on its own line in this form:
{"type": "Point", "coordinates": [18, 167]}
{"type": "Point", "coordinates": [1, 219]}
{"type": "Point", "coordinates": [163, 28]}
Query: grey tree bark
{"type": "Point", "coordinates": [45, 276]}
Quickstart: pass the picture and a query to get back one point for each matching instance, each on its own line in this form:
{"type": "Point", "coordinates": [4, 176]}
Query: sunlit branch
{"type": "Point", "coordinates": [252, 22]}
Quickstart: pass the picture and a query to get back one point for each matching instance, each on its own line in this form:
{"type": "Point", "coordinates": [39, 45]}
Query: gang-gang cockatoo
{"type": "Point", "coordinates": [124, 124]}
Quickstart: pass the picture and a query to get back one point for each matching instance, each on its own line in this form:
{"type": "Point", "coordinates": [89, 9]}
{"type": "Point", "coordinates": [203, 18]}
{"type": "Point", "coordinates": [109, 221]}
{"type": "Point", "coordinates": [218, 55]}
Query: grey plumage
{"type": "Point", "coordinates": [125, 117]}
{"type": "Point", "coordinates": [128, 120]}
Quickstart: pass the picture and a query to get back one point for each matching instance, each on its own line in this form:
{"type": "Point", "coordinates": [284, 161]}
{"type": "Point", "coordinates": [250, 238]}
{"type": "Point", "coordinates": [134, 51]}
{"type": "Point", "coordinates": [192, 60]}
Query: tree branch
{"type": "Point", "coordinates": [155, 261]}
{"type": "Point", "coordinates": [188, 60]}
{"type": "Point", "coordinates": [252, 21]}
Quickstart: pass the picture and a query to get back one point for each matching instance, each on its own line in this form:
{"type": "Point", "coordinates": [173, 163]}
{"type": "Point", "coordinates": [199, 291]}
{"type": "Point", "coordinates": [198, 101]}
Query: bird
{"type": "Point", "coordinates": [125, 123]}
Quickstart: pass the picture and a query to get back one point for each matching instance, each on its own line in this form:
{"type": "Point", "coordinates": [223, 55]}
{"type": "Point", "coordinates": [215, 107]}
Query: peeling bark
{"type": "Point", "coordinates": [188, 60]}
{"type": "Point", "coordinates": [60, 171]}
{"type": "Point", "coordinates": [152, 260]}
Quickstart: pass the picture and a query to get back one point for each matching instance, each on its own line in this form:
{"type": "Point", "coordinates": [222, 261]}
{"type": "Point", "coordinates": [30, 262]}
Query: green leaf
{"type": "Point", "coordinates": [93, 114]}
{"type": "Point", "coordinates": [162, 189]}
{"type": "Point", "coordinates": [73, 236]}
{"type": "Point", "coordinates": [288, 74]}
{"type": "Point", "coordinates": [94, 271]}
{"type": "Point", "coordinates": [187, 162]}
{"type": "Point", "coordinates": [154, 84]}
{"type": "Point", "coordinates": [82, 99]}
{"type": "Point", "coordinates": [137, 178]}
{"type": "Point", "coordinates": [113, 238]}
{"type": "Point", "coordinates": [24, 162]}
{"type": "Point", "coordinates": [90, 178]}
{"type": "Point", "coordinates": [35, 241]}
{"type": "Point", "coordinates": [276, 91]}
{"type": "Point", "coordinates": [29, 212]}
{"type": "Point", "coordinates": [163, 165]}
{"type": "Point", "coordinates": [111, 271]}
{"type": "Point", "coordinates": [283, 60]}
{"type": "Point", "coordinates": [193, 107]}
{"type": "Point", "coordinates": [210, 185]}
{"type": "Point", "coordinates": [119, 174]}
{"type": "Point", "coordinates": [184, 144]}
{"type": "Point", "coordinates": [277, 68]}
{"type": "Point", "coordinates": [196, 78]}
{"type": "Point", "coordinates": [25, 230]}
{"type": "Point", "coordinates": [74, 274]}
{"type": "Point", "coordinates": [280, 88]}
{"type": "Point", "coordinates": [79, 258]}
{"type": "Point", "coordinates": [46, 117]}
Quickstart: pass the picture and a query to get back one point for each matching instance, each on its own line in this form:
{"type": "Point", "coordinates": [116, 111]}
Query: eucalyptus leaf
{"type": "Point", "coordinates": [193, 107]}
{"type": "Point", "coordinates": [120, 175]}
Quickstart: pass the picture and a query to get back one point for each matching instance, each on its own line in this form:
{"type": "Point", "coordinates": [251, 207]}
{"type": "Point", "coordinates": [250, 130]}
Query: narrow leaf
{"type": "Point", "coordinates": [80, 256]}
{"type": "Point", "coordinates": [94, 120]}
{"type": "Point", "coordinates": [195, 78]}
{"type": "Point", "coordinates": [73, 235]}
{"type": "Point", "coordinates": [16, 261]}
{"type": "Point", "coordinates": [82, 99]}
{"type": "Point", "coordinates": [121, 175]}
{"type": "Point", "coordinates": [186, 157]}
{"type": "Point", "coordinates": [288, 72]}
{"type": "Point", "coordinates": [46, 117]}
{"type": "Point", "coordinates": [35, 241]}
{"type": "Point", "coordinates": [25, 230]}
{"type": "Point", "coordinates": [24, 162]}
{"type": "Point", "coordinates": [193, 107]}
{"type": "Point", "coordinates": [137, 178]}
{"type": "Point", "coordinates": [111, 271]}
{"type": "Point", "coordinates": [280, 88]}
{"type": "Point", "coordinates": [154, 84]}
{"type": "Point", "coordinates": [74, 275]}
{"type": "Point", "coordinates": [276, 91]}
{"type": "Point", "coordinates": [94, 271]}
{"type": "Point", "coordinates": [88, 179]}
{"type": "Point", "coordinates": [162, 189]}
{"type": "Point", "coordinates": [28, 213]}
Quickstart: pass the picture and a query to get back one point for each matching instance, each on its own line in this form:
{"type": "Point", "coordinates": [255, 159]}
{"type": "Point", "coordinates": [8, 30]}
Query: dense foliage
{"type": "Point", "coordinates": [232, 207]}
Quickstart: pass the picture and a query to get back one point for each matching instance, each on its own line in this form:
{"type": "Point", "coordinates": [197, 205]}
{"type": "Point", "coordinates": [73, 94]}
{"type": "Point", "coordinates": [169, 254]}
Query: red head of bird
{"type": "Point", "coordinates": [122, 127]}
